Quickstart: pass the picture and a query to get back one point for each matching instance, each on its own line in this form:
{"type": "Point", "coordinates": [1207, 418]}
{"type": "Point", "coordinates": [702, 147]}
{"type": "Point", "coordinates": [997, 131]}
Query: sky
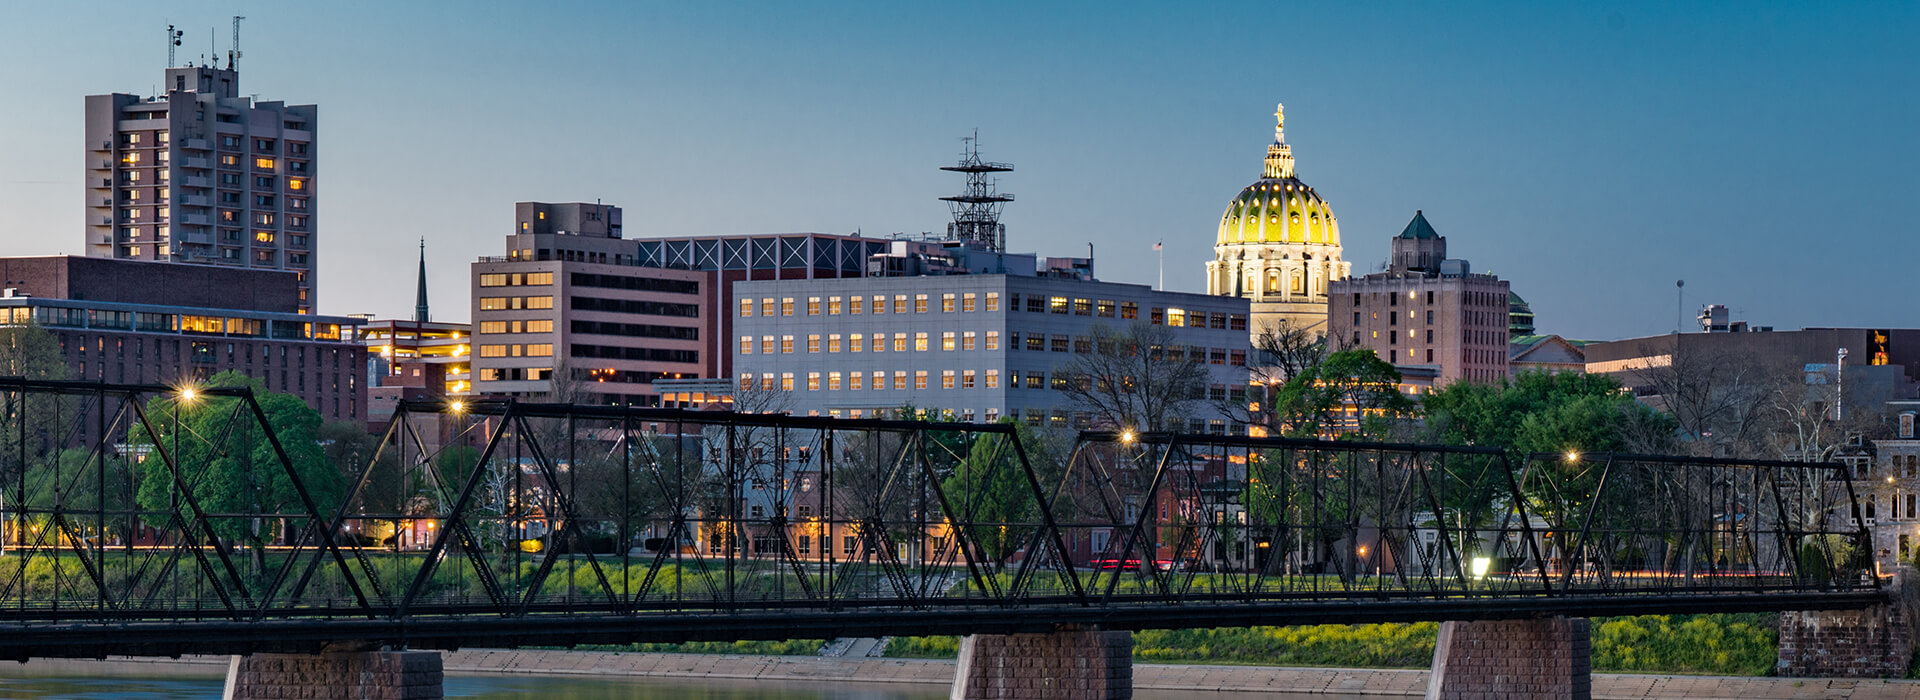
{"type": "Point", "coordinates": [1590, 153]}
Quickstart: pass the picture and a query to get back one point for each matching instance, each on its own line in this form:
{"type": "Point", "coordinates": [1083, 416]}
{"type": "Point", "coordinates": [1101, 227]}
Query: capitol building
{"type": "Point", "coordinates": [1279, 246]}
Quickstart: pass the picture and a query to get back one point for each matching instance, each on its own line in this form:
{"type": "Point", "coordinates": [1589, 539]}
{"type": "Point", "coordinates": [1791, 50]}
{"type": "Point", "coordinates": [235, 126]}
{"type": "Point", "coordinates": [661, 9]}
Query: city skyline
{"type": "Point", "coordinates": [1590, 156]}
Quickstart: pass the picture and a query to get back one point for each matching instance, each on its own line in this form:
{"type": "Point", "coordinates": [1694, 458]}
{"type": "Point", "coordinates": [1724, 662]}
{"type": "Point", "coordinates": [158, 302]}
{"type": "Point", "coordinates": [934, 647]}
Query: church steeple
{"type": "Point", "coordinates": [420, 296]}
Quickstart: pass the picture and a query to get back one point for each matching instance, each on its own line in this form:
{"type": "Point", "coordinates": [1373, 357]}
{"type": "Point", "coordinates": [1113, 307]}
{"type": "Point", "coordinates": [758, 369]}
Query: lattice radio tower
{"type": "Point", "coordinates": [976, 211]}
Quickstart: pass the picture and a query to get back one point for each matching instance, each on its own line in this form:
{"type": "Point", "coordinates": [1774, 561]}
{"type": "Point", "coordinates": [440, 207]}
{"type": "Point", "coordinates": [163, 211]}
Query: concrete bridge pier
{"type": "Point", "coordinates": [1067, 664]}
{"type": "Point", "coordinates": [351, 675]}
{"type": "Point", "coordinates": [1877, 642]}
{"type": "Point", "coordinates": [1496, 660]}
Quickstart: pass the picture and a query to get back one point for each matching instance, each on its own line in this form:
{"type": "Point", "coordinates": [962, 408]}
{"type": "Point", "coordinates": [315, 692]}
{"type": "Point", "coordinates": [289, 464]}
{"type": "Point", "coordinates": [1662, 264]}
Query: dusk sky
{"type": "Point", "coordinates": [1764, 152]}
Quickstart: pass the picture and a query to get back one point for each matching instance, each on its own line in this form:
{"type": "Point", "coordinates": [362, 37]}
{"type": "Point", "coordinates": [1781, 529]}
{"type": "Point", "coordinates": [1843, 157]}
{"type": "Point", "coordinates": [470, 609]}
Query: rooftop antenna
{"type": "Point", "coordinates": [233, 61]}
{"type": "Point", "coordinates": [976, 210]}
{"type": "Point", "coordinates": [173, 43]}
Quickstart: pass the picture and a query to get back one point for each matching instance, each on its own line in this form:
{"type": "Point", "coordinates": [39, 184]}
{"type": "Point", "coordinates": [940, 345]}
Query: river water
{"type": "Point", "coordinates": [23, 682]}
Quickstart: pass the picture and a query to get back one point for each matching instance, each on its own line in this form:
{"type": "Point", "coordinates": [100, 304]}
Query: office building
{"type": "Point", "coordinates": [137, 322]}
{"type": "Point", "coordinates": [1427, 310]}
{"type": "Point", "coordinates": [619, 314]}
{"type": "Point", "coordinates": [975, 346]}
{"type": "Point", "coordinates": [201, 173]}
{"type": "Point", "coordinates": [1279, 245]}
{"type": "Point", "coordinates": [416, 359]}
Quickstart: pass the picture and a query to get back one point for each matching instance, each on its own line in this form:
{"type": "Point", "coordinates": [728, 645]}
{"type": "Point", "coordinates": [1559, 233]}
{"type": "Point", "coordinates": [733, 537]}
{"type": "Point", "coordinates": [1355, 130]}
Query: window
{"type": "Point", "coordinates": [786, 306]}
{"type": "Point", "coordinates": [833, 343]}
{"type": "Point", "coordinates": [766, 306]}
{"type": "Point", "coordinates": [1130, 311]}
{"type": "Point", "coordinates": [920, 341]}
{"type": "Point", "coordinates": [919, 303]}
{"type": "Point", "coordinates": [786, 345]}
{"type": "Point", "coordinates": [946, 341]}
{"type": "Point", "coordinates": [1082, 307]}
{"type": "Point", "coordinates": [493, 303]}
{"type": "Point", "coordinates": [786, 381]}
{"type": "Point", "coordinates": [746, 308]}
{"type": "Point", "coordinates": [813, 381]}
{"type": "Point", "coordinates": [263, 163]}
{"type": "Point", "coordinates": [833, 306]}
{"type": "Point", "coordinates": [920, 379]}
{"type": "Point", "coordinates": [813, 343]}
{"type": "Point", "coordinates": [833, 381]}
{"type": "Point", "coordinates": [946, 379]}
{"type": "Point", "coordinates": [1059, 343]}
{"type": "Point", "coordinates": [879, 342]}
{"type": "Point", "coordinates": [493, 351]}
{"type": "Point", "coordinates": [993, 301]}
{"type": "Point", "coordinates": [993, 382]}
{"type": "Point", "coordinates": [766, 345]}
{"type": "Point", "coordinates": [900, 342]}
{"type": "Point", "coordinates": [813, 306]}
{"type": "Point", "coordinates": [993, 340]}
{"type": "Point", "coordinates": [1057, 305]}
{"type": "Point", "coordinates": [857, 342]}
{"type": "Point", "coordinates": [746, 345]}
{"type": "Point", "coordinates": [966, 379]}
{"type": "Point", "coordinates": [540, 302]}
{"type": "Point", "coordinates": [900, 303]}
{"type": "Point", "coordinates": [946, 303]}
{"type": "Point", "coordinates": [966, 340]}
{"type": "Point", "coordinates": [1104, 308]}
{"type": "Point", "coordinates": [540, 350]}
{"type": "Point", "coordinates": [900, 379]}
{"type": "Point", "coordinates": [855, 304]}
{"type": "Point", "coordinates": [856, 381]}
{"type": "Point", "coordinates": [967, 302]}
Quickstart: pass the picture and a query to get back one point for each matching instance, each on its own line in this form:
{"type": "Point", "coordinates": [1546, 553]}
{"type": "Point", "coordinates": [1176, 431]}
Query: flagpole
{"type": "Point", "coordinates": [1161, 256]}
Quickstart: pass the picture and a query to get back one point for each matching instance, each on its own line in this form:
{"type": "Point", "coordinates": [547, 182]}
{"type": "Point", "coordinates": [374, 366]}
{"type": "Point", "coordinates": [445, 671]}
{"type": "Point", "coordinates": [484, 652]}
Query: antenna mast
{"type": "Point", "coordinates": [976, 211]}
{"type": "Point", "coordinates": [173, 43]}
{"type": "Point", "coordinates": [233, 61]}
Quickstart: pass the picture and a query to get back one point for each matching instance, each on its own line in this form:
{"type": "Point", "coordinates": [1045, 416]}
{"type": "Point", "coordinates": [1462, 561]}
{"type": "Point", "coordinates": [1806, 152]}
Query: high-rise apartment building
{"type": "Point", "coordinates": [202, 174]}
{"type": "Point", "coordinates": [1426, 310]}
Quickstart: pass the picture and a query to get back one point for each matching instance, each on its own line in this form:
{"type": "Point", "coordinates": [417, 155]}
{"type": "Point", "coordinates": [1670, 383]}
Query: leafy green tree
{"type": "Point", "coordinates": [232, 468]}
{"type": "Point", "coordinates": [989, 488]}
{"type": "Point", "coordinates": [34, 353]}
{"type": "Point", "coordinates": [1315, 399]}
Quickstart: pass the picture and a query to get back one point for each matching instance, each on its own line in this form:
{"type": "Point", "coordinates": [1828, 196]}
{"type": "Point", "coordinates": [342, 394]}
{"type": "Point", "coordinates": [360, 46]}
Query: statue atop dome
{"type": "Point", "coordinates": [1279, 120]}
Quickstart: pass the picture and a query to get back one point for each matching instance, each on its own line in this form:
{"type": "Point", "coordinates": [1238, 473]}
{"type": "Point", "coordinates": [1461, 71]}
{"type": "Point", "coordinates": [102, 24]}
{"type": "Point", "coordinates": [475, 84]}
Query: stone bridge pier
{"type": "Point", "coordinates": [1877, 642]}
{"type": "Point", "coordinates": [1504, 659]}
{"type": "Point", "coordinates": [352, 675]}
{"type": "Point", "coordinates": [1067, 664]}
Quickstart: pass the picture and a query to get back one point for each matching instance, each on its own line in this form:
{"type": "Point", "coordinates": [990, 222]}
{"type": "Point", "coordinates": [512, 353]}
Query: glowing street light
{"type": "Point", "coordinates": [188, 394]}
{"type": "Point", "coordinates": [1573, 455]}
{"type": "Point", "coordinates": [1128, 436]}
{"type": "Point", "coordinates": [456, 406]}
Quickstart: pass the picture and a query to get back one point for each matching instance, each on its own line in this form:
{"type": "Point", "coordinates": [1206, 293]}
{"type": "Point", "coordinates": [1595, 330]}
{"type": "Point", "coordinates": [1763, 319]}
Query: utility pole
{"type": "Point", "coordinates": [1840, 385]}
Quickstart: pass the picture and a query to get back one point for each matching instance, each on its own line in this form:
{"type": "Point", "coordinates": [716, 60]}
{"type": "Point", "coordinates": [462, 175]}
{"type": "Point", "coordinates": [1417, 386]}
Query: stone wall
{"type": "Point", "coordinates": [1877, 642]}
{"type": "Point", "coordinates": [1548, 658]}
{"type": "Point", "coordinates": [1064, 665]}
{"type": "Point", "coordinates": [373, 675]}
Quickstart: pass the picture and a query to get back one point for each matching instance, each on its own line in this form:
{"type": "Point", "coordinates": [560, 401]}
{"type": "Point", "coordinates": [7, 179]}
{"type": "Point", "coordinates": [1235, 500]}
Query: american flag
{"type": "Point", "coordinates": [1156, 246]}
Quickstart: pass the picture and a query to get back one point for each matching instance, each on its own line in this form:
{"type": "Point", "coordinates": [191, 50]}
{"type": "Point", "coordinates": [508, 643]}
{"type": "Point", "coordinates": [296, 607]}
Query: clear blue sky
{"type": "Point", "coordinates": [1765, 152]}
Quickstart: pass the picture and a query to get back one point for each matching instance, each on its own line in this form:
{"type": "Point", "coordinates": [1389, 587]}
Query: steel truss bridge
{"type": "Point", "coordinates": [155, 520]}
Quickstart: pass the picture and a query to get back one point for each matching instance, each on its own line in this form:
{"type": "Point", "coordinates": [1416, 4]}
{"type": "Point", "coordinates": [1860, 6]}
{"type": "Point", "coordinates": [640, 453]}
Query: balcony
{"type": "Point", "coordinates": [195, 162]}
{"type": "Point", "coordinates": [194, 200]}
{"type": "Point", "coordinates": [195, 181]}
{"type": "Point", "coordinates": [195, 237]}
{"type": "Point", "coordinates": [196, 145]}
{"type": "Point", "coordinates": [99, 165]}
{"type": "Point", "coordinates": [195, 220]}
{"type": "Point", "coordinates": [106, 145]}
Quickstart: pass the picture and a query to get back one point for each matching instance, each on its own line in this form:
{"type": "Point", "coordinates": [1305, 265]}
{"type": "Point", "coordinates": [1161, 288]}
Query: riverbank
{"type": "Point", "coordinates": [1231, 679]}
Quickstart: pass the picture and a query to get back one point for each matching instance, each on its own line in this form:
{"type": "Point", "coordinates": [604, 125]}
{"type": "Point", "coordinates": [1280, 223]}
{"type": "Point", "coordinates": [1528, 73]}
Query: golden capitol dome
{"type": "Point", "coordinates": [1279, 245]}
{"type": "Point", "coordinates": [1279, 208]}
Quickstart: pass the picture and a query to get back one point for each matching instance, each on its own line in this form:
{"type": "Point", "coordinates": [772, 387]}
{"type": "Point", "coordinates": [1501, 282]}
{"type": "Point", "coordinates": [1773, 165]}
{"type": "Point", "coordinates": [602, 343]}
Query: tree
{"type": "Point", "coordinates": [1717, 399]}
{"type": "Point", "coordinates": [1135, 378]}
{"type": "Point", "coordinates": [1314, 400]}
{"type": "Point", "coordinates": [989, 487]}
{"type": "Point", "coordinates": [30, 351]}
{"type": "Point", "coordinates": [232, 467]}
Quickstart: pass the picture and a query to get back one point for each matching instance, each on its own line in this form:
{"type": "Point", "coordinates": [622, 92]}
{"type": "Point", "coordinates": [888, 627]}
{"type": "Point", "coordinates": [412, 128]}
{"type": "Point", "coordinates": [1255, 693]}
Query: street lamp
{"type": "Point", "coordinates": [1128, 436]}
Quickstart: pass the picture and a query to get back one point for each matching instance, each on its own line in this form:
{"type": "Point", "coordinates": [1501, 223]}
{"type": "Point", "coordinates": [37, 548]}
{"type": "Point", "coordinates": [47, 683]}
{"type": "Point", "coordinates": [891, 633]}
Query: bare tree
{"type": "Point", "coordinates": [1136, 377]}
{"type": "Point", "coordinates": [1719, 399]}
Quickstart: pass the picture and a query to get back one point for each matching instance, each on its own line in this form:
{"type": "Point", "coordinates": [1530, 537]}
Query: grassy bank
{"type": "Point", "coordinates": [1733, 645]}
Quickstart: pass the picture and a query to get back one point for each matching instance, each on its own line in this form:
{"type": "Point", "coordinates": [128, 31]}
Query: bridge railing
{"type": "Point", "coordinates": [131, 503]}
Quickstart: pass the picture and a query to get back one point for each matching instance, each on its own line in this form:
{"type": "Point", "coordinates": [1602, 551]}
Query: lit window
{"type": "Point", "coordinates": [766, 345]}
{"type": "Point", "coordinates": [833, 381]}
{"type": "Point", "coordinates": [900, 379]}
{"type": "Point", "coordinates": [899, 303]}
{"type": "Point", "coordinates": [296, 184]}
{"type": "Point", "coordinates": [813, 342]}
{"type": "Point", "coordinates": [946, 379]}
{"type": "Point", "coordinates": [857, 303]}
{"type": "Point", "coordinates": [833, 306]}
{"type": "Point", "coordinates": [899, 342]}
{"type": "Point", "coordinates": [263, 236]}
{"type": "Point", "coordinates": [993, 380]}
{"type": "Point", "coordinates": [813, 306]}
{"type": "Point", "coordinates": [946, 341]}
{"type": "Point", "coordinates": [879, 342]}
{"type": "Point", "coordinates": [263, 163]}
{"type": "Point", "coordinates": [786, 345]}
{"type": "Point", "coordinates": [966, 302]}
{"type": "Point", "coordinates": [993, 301]}
{"type": "Point", "coordinates": [946, 303]}
{"type": "Point", "coordinates": [833, 343]}
{"type": "Point", "coordinates": [1057, 305]}
{"type": "Point", "coordinates": [766, 306]}
{"type": "Point", "coordinates": [813, 381]}
{"type": "Point", "coordinates": [920, 379]}
{"type": "Point", "coordinates": [856, 381]}
{"type": "Point", "coordinates": [746, 308]}
{"type": "Point", "coordinates": [786, 381]}
{"type": "Point", "coordinates": [966, 341]}
{"type": "Point", "coordinates": [746, 345]}
{"type": "Point", "coordinates": [857, 342]}
{"type": "Point", "coordinates": [920, 341]}
{"type": "Point", "coordinates": [993, 340]}
{"type": "Point", "coordinates": [786, 306]}
{"type": "Point", "coordinates": [966, 379]}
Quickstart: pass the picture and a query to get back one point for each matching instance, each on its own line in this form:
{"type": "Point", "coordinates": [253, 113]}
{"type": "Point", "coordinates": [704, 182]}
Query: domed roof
{"type": "Point", "coordinates": [1279, 208]}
